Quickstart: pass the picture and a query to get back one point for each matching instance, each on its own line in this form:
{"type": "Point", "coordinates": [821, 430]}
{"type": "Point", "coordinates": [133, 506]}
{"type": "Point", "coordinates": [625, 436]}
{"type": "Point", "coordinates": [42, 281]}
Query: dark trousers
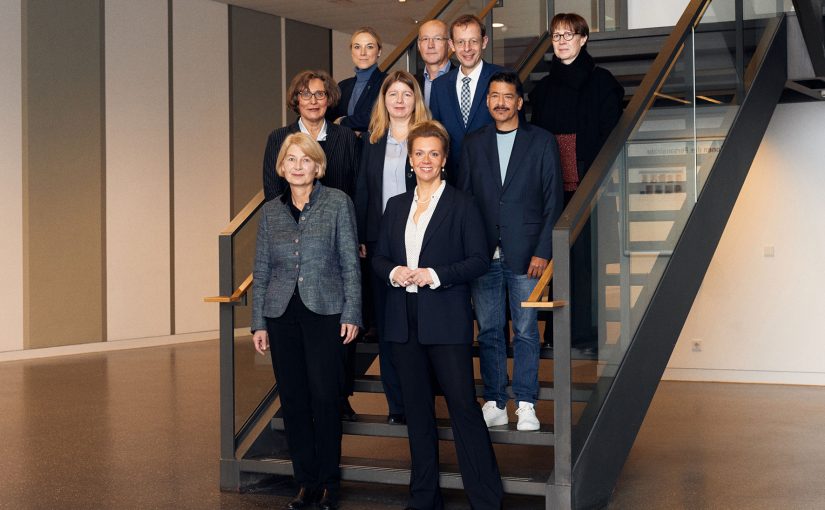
{"type": "Point", "coordinates": [308, 359]}
{"type": "Point", "coordinates": [389, 375]}
{"type": "Point", "coordinates": [452, 367]}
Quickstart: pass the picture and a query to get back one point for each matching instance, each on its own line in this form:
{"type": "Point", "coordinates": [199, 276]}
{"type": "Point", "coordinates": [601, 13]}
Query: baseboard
{"type": "Point", "coordinates": [744, 376]}
{"type": "Point", "coordinates": [118, 345]}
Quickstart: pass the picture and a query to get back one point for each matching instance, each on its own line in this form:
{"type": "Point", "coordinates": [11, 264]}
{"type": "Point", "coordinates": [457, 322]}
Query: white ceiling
{"type": "Point", "coordinates": [392, 19]}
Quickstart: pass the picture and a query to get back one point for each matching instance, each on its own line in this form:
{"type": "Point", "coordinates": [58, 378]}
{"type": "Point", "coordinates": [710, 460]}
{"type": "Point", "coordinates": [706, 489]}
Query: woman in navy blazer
{"type": "Point", "coordinates": [385, 172]}
{"type": "Point", "coordinates": [359, 93]}
{"type": "Point", "coordinates": [431, 245]}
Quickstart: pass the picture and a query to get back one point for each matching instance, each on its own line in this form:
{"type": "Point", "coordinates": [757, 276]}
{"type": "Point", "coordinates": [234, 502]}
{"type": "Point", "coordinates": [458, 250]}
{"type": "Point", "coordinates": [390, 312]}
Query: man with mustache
{"type": "Point", "coordinates": [513, 170]}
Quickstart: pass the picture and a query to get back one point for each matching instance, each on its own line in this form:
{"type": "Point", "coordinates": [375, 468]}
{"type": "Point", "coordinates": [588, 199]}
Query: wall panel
{"type": "Point", "coordinates": [63, 172]}
{"type": "Point", "coordinates": [137, 169]}
{"type": "Point", "coordinates": [200, 79]}
{"type": "Point", "coordinates": [11, 177]}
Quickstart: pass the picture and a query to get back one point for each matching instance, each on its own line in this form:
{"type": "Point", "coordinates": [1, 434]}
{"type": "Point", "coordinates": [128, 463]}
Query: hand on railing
{"type": "Point", "coordinates": [535, 299]}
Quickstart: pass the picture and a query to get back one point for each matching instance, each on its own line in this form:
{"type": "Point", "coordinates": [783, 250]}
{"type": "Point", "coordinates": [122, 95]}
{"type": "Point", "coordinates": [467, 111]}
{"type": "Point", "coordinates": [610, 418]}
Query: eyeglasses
{"type": "Point", "coordinates": [306, 95]}
{"type": "Point", "coordinates": [437, 39]}
{"type": "Point", "coordinates": [567, 36]}
{"type": "Point", "coordinates": [467, 43]}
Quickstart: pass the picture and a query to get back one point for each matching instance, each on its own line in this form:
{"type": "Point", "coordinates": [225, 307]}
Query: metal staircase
{"type": "Point", "coordinates": [658, 196]}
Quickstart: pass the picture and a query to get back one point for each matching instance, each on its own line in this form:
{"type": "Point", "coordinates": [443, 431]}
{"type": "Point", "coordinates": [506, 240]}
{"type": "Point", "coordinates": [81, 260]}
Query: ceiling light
{"type": "Point", "coordinates": [498, 25]}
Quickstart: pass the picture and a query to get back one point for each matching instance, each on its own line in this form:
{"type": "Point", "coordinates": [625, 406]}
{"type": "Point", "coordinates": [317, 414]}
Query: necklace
{"type": "Point", "coordinates": [422, 201]}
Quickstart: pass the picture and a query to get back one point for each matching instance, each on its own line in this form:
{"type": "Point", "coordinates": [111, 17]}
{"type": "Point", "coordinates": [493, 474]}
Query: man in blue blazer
{"type": "Point", "coordinates": [513, 170]}
{"type": "Point", "coordinates": [457, 98]}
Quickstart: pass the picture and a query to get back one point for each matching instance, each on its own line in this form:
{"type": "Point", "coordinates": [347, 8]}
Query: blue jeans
{"type": "Point", "coordinates": [489, 299]}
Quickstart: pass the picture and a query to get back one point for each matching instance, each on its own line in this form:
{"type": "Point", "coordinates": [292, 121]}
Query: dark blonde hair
{"type": "Point", "coordinates": [367, 30]}
{"type": "Point", "coordinates": [309, 147]}
{"type": "Point", "coordinates": [380, 118]}
{"type": "Point", "coordinates": [569, 19]}
{"type": "Point", "coordinates": [427, 129]}
{"type": "Point", "coordinates": [301, 82]}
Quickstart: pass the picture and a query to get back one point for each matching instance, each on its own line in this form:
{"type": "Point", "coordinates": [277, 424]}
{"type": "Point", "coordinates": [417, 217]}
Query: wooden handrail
{"type": "Point", "coordinates": [535, 301]}
{"type": "Point", "coordinates": [236, 296]}
{"type": "Point", "coordinates": [405, 43]}
{"type": "Point", "coordinates": [524, 70]}
{"type": "Point", "coordinates": [244, 215]}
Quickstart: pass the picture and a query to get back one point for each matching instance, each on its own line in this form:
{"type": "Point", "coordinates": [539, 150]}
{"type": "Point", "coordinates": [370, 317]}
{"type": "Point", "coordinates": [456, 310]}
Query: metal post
{"type": "Point", "coordinates": [740, 50]}
{"type": "Point", "coordinates": [488, 23]}
{"type": "Point", "coordinates": [230, 476]}
{"type": "Point", "coordinates": [562, 405]}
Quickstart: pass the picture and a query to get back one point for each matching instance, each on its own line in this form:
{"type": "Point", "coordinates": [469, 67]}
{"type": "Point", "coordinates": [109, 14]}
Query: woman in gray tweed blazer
{"type": "Point", "coordinates": [307, 305]}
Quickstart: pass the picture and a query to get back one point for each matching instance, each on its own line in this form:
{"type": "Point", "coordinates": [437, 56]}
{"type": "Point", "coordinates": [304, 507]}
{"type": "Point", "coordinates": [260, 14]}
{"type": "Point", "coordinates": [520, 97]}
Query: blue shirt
{"type": "Point", "coordinates": [395, 164]}
{"type": "Point", "coordinates": [428, 83]}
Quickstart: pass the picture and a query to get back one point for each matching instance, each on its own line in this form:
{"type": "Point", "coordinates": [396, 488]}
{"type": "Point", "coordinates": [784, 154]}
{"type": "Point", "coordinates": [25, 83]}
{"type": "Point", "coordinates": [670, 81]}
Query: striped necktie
{"type": "Point", "coordinates": [465, 99]}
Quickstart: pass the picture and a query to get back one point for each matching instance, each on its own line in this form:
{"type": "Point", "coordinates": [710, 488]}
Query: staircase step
{"type": "Point", "coordinates": [376, 425]}
{"type": "Point", "coordinates": [546, 351]}
{"type": "Point", "coordinates": [394, 473]}
{"type": "Point", "coordinates": [581, 392]}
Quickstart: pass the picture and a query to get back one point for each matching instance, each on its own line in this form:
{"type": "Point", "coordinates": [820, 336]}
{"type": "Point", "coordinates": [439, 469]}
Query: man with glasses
{"type": "Point", "coordinates": [457, 98]}
{"type": "Point", "coordinates": [435, 52]}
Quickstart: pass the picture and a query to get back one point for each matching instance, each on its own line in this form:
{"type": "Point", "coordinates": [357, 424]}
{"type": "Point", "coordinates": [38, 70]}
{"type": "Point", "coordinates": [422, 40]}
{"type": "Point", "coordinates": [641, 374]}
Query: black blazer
{"type": "Point", "coordinates": [360, 119]}
{"type": "Point", "coordinates": [342, 151]}
{"type": "Point", "coordinates": [370, 187]}
{"type": "Point", "coordinates": [521, 212]}
{"type": "Point", "coordinates": [454, 247]}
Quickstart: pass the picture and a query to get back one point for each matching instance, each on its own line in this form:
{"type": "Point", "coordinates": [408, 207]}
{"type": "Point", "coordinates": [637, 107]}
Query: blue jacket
{"type": "Point", "coordinates": [445, 109]}
{"type": "Point", "coordinates": [521, 212]}
{"type": "Point", "coordinates": [319, 254]}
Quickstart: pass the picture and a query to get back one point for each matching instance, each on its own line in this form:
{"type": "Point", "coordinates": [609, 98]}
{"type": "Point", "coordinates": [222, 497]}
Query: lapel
{"type": "Point", "coordinates": [481, 93]}
{"type": "Point", "coordinates": [333, 137]}
{"type": "Point", "coordinates": [442, 210]}
{"type": "Point", "coordinates": [452, 79]}
{"type": "Point", "coordinates": [520, 147]}
{"type": "Point", "coordinates": [409, 176]}
{"type": "Point", "coordinates": [399, 241]}
{"type": "Point", "coordinates": [491, 152]}
{"type": "Point", "coordinates": [377, 161]}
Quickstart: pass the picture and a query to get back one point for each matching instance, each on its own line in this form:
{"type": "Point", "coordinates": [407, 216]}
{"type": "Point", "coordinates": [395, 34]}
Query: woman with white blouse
{"type": "Point", "coordinates": [431, 245]}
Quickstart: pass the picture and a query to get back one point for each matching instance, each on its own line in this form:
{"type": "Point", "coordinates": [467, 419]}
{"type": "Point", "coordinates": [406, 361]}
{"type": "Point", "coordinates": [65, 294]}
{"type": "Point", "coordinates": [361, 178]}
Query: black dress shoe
{"type": "Point", "coordinates": [301, 500]}
{"type": "Point", "coordinates": [396, 419]}
{"type": "Point", "coordinates": [347, 412]}
{"type": "Point", "coordinates": [328, 501]}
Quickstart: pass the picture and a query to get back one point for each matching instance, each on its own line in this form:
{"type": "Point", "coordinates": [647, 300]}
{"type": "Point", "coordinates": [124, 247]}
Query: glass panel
{"type": "Point", "coordinates": [516, 30]}
{"type": "Point", "coordinates": [588, 9]}
{"type": "Point", "coordinates": [650, 191]}
{"type": "Point", "coordinates": [253, 378]}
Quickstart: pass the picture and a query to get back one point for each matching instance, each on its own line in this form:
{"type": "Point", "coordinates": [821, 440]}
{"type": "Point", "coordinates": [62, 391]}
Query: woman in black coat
{"type": "Point", "coordinates": [384, 173]}
{"type": "Point", "coordinates": [431, 245]}
{"type": "Point", "coordinates": [580, 103]}
{"type": "Point", "coordinates": [359, 93]}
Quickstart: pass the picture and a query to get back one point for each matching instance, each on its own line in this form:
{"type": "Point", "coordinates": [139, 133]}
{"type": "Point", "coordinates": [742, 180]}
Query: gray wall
{"type": "Point", "coordinates": [64, 204]}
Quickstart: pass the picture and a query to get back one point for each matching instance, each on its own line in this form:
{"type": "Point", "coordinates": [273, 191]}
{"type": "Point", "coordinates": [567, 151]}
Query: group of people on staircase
{"type": "Point", "coordinates": [419, 203]}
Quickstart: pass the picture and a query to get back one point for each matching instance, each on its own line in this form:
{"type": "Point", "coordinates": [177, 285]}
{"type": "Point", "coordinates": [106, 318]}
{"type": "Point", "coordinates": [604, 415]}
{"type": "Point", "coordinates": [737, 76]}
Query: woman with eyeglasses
{"type": "Point", "coordinates": [359, 93]}
{"type": "Point", "coordinates": [579, 103]}
{"type": "Point", "coordinates": [309, 95]}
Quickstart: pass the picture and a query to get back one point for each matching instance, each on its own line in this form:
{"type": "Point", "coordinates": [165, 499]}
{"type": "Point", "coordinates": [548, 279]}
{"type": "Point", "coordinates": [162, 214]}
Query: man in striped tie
{"type": "Point", "coordinates": [457, 99]}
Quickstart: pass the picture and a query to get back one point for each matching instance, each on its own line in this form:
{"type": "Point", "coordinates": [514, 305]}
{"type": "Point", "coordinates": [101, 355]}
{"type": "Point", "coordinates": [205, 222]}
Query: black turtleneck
{"type": "Point", "coordinates": [578, 98]}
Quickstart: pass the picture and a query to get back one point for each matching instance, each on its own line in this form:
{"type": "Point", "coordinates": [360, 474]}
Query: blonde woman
{"type": "Point", "coordinates": [359, 93]}
{"type": "Point", "coordinates": [307, 305]}
{"type": "Point", "coordinates": [385, 172]}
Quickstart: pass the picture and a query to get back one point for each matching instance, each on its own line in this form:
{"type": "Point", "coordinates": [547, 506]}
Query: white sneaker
{"type": "Point", "coordinates": [493, 415]}
{"type": "Point", "coordinates": [527, 417]}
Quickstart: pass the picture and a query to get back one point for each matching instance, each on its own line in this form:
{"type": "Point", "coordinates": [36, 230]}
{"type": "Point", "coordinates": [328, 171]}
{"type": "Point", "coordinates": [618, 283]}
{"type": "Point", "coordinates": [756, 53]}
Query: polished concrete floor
{"type": "Point", "coordinates": [139, 429]}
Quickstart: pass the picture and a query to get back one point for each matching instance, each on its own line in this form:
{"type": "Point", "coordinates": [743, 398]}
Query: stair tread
{"type": "Point", "coordinates": [376, 425]}
{"type": "Point", "coordinates": [581, 391]}
{"type": "Point", "coordinates": [546, 352]}
{"type": "Point", "coordinates": [398, 473]}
